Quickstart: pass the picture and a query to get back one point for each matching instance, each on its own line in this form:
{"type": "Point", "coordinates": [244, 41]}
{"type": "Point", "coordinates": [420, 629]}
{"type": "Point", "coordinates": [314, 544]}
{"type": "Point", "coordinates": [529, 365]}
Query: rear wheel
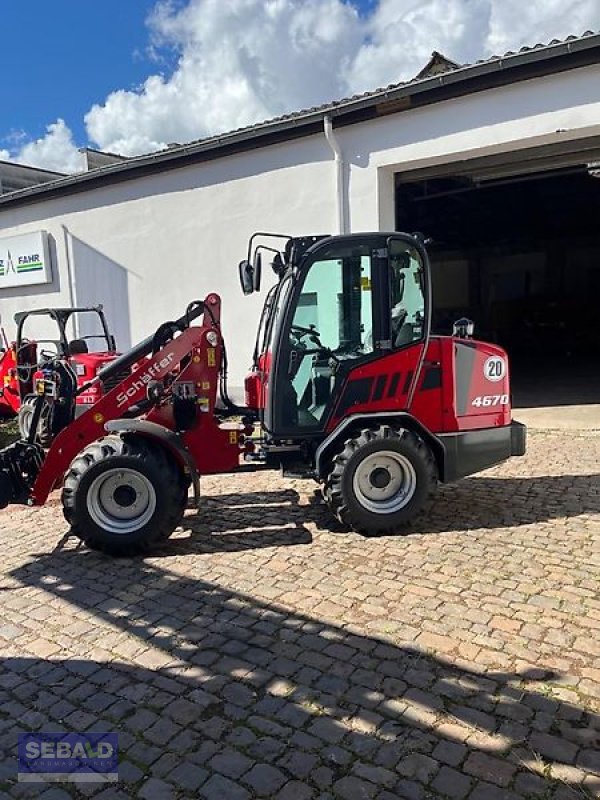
{"type": "Point", "coordinates": [25, 418]}
{"type": "Point", "coordinates": [381, 480]}
{"type": "Point", "coordinates": [124, 496]}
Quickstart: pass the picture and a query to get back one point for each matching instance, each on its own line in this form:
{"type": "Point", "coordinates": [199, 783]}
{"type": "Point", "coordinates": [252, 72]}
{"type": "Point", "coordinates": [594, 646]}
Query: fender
{"type": "Point", "coordinates": [354, 420]}
{"type": "Point", "coordinates": [171, 440]}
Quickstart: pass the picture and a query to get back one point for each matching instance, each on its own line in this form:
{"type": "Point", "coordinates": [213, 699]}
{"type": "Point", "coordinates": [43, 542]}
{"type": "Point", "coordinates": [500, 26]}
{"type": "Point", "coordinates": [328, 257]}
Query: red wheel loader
{"type": "Point", "coordinates": [28, 360]}
{"type": "Point", "coordinates": [348, 387]}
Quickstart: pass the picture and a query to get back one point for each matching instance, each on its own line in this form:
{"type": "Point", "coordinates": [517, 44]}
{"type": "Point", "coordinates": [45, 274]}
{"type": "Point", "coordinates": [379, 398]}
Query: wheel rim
{"type": "Point", "coordinates": [384, 482]}
{"type": "Point", "coordinates": [121, 501]}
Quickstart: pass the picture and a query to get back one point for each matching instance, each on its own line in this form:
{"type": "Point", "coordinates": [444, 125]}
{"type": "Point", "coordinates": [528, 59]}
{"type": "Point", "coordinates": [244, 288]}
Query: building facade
{"type": "Point", "coordinates": [145, 236]}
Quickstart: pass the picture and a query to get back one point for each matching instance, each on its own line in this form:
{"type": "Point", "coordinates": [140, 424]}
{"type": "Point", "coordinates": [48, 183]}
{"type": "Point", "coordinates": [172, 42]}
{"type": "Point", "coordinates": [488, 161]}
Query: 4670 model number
{"type": "Point", "coordinates": [487, 400]}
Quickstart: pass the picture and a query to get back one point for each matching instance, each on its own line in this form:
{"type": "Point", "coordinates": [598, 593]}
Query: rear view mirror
{"type": "Point", "coordinates": [246, 277]}
{"type": "Point", "coordinates": [463, 328]}
{"type": "Point", "coordinates": [257, 272]}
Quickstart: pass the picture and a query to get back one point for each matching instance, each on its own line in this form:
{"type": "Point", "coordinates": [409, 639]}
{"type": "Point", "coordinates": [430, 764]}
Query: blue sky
{"type": "Point", "coordinates": [131, 76]}
{"type": "Point", "coordinates": [82, 50]}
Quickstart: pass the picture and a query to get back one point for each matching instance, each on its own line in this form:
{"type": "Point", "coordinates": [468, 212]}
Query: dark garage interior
{"type": "Point", "coordinates": [520, 255]}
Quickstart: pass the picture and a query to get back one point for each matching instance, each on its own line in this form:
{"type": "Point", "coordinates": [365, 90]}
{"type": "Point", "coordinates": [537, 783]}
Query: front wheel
{"type": "Point", "coordinates": [25, 418]}
{"type": "Point", "coordinates": [381, 480]}
{"type": "Point", "coordinates": [124, 496]}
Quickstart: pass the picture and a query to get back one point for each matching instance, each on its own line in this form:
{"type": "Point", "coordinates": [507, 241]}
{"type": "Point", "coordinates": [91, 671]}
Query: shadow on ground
{"type": "Point", "coordinates": [239, 698]}
{"type": "Point", "coordinates": [263, 519]}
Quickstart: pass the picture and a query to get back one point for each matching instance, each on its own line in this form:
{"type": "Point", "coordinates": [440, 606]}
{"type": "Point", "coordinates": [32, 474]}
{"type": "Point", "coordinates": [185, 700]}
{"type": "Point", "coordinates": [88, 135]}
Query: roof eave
{"type": "Point", "coordinates": [471, 78]}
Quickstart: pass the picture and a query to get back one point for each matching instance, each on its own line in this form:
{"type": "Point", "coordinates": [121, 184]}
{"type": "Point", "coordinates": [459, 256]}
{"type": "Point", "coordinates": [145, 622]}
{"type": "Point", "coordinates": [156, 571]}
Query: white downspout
{"type": "Point", "coordinates": [72, 282]}
{"type": "Point", "coordinates": [332, 141]}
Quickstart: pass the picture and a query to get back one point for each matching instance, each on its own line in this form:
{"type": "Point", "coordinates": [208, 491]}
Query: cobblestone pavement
{"type": "Point", "coordinates": [264, 653]}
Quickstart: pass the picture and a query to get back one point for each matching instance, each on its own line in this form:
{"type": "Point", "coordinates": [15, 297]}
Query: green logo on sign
{"type": "Point", "coordinates": [29, 263]}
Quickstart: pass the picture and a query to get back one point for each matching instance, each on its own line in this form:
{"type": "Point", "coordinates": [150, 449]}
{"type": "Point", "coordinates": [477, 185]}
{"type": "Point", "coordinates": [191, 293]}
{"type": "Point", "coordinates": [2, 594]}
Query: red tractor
{"type": "Point", "coordinates": [26, 361]}
{"type": "Point", "coordinates": [348, 387]}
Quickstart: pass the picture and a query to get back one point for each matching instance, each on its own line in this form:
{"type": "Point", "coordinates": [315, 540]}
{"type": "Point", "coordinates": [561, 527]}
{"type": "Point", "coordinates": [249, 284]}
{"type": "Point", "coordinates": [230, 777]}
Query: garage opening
{"type": "Point", "coordinates": [517, 250]}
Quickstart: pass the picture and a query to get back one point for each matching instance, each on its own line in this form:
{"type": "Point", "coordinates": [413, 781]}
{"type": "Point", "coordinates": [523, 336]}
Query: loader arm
{"type": "Point", "coordinates": [202, 344]}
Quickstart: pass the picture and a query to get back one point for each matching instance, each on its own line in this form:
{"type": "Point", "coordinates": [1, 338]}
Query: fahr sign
{"type": "Point", "coordinates": [24, 260]}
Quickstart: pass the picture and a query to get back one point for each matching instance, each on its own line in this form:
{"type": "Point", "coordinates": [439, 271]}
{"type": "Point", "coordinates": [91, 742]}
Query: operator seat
{"type": "Point", "coordinates": [77, 347]}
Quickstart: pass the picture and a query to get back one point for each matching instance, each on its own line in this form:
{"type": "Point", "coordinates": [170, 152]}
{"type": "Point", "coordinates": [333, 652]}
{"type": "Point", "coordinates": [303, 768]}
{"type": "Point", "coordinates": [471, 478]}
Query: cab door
{"type": "Point", "coordinates": [330, 325]}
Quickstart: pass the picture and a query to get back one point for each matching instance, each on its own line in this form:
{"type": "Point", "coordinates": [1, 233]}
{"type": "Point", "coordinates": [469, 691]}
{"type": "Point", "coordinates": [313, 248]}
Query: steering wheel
{"type": "Point", "coordinates": [300, 329]}
{"type": "Point", "coordinates": [314, 335]}
{"type": "Point", "coordinates": [47, 355]}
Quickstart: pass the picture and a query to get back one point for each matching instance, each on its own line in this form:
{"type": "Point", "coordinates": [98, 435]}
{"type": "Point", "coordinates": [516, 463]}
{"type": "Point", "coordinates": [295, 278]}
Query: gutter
{"type": "Point", "coordinates": [341, 198]}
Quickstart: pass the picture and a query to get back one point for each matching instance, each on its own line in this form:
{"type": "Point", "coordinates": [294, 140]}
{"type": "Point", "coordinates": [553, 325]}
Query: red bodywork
{"type": "Point", "coordinates": [256, 383]}
{"type": "Point", "coordinates": [86, 366]}
{"type": "Point", "coordinates": [189, 360]}
{"type": "Point", "coordinates": [445, 388]}
{"type": "Point", "coordinates": [10, 399]}
{"type": "Point", "coordinates": [448, 392]}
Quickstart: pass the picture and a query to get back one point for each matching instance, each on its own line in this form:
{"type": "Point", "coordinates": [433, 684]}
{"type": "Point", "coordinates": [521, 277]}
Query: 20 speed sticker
{"type": "Point", "coordinates": [494, 368]}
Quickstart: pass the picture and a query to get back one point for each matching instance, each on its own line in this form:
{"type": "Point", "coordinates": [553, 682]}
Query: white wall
{"type": "Point", "coordinates": [558, 108]}
{"type": "Point", "coordinates": [147, 247]}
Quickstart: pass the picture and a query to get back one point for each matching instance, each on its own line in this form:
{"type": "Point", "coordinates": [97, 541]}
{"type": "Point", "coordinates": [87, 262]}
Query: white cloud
{"type": "Point", "coordinates": [401, 34]}
{"type": "Point", "coordinates": [243, 61]}
{"type": "Point", "coordinates": [55, 151]}
{"type": "Point", "coordinates": [238, 62]}
{"type": "Point", "coordinates": [514, 23]}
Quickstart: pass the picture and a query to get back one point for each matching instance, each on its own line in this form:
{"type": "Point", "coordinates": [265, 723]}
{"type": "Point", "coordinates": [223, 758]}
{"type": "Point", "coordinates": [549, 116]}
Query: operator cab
{"type": "Point", "coordinates": [340, 303]}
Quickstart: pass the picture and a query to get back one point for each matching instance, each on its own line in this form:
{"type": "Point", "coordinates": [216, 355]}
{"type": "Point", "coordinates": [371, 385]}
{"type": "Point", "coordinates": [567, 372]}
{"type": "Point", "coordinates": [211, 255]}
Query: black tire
{"type": "Point", "coordinates": [381, 480]}
{"type": "Point", "coordinates": [25, 415]}
{"type": "Point", "coordinates": [140, 471]}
